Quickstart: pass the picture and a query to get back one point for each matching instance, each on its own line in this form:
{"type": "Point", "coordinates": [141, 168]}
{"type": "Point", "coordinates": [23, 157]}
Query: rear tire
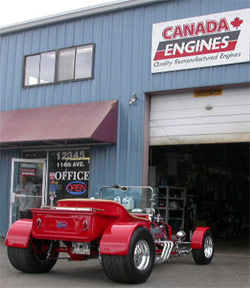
{"type": "Point", "coordinates": [205, 255]}
{"type": "Point", "coordinates": [26, 260]}
{"type": "Point", "coordinates": [137, 265]}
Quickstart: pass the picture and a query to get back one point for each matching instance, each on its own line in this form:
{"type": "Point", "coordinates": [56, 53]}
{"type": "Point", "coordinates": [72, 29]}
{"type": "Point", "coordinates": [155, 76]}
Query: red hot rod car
{"type": "Point", "coordinates": [121, 228]}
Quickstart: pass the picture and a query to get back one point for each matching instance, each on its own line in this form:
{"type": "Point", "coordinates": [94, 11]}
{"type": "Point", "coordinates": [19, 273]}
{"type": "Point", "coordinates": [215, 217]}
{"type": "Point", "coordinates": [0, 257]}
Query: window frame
{"type": "Point", "coordinates": [24, 69]}
{"type": "Point", "coordinates": [57, 64]}
{"type": "Point", "coordinates": [56, 81]}
{"type": "Point", "coordinates": [54, 78]}
{"type": "Point", "coordinates": [92, 61]}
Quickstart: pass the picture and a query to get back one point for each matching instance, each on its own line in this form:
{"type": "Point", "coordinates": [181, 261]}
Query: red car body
{"type": "Point", "coordinates": [100, 228]}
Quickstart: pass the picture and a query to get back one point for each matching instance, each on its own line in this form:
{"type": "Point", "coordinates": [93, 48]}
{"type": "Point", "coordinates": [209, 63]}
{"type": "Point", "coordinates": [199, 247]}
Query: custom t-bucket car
{"type": "Point", "coordinates": [121, 228]}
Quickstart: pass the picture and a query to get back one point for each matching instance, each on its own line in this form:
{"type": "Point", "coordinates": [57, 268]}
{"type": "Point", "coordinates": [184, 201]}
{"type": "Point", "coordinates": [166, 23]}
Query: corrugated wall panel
{"type": "Point", "coordinates": [5, 175]}
{"type": "Point", "coordinates": [122, 67]}
{"type": "Point", "coordinates": [123, 49]}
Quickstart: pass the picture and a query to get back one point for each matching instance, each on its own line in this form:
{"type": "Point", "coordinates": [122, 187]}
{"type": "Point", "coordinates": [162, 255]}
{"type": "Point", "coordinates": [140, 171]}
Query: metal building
{"type": "Point", "coordinates": [75, 129]}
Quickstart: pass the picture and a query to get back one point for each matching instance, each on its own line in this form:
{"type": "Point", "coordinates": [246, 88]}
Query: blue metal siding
{"type": "Point", "coordinates": [122, 58]}
{"type": "Point", "coordinates": [5, 175]}
{"type": "Point", "coordinates": [122, 66]}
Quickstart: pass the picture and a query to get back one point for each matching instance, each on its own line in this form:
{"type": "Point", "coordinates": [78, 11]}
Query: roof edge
{"type": "Point", "coordinates": [74, 14]}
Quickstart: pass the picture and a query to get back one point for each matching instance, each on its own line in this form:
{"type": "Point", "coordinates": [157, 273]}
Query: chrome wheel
{"type": "Point", "coordinates": [208, 247]}
{"type": "Point", "coordinates": [141, 255]}
{"type": "Point", "coordinates": [204, 254]}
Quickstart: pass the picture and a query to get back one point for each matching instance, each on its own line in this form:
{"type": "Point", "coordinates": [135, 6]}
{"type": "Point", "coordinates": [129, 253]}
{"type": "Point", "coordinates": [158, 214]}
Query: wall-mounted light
{"type": "Point", "coordinates": [209, 107]}
{"type": "Point", "coordinates": [132, 99]}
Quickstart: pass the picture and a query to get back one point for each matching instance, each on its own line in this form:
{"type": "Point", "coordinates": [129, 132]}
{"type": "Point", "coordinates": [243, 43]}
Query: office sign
{"type": "Point", "coordinates": [210, 40]}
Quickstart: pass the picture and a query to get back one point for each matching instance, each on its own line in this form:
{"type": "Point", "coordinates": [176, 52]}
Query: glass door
{"type": "Point", "coordinates": [28, 180]}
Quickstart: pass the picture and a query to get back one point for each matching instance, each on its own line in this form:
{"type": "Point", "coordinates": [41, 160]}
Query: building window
{"type": "Point", "coordinates": [84, 60]}
{"type": "Point", "coordinates": [75, 63]}
{"type": "Point", "coordinates": [71, 64]}
{"type": "Point", "coordinates": [47, 68]}
{"type": "Point", "coordinates": [66, 59]}
{"type": "Point", "coordinates": [32, 70]}
{"type": "Point", "coordinates": [40, 69]}
{"type": "Point", "coordinates": [69, 173]}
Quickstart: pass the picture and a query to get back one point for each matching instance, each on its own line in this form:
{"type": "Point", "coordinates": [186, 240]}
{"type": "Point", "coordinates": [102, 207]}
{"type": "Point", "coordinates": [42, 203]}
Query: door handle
{"type": "Point", "coordinates": [12, 200]}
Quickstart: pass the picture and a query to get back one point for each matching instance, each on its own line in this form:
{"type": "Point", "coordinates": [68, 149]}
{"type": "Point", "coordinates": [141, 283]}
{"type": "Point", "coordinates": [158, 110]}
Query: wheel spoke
{"type": "Point", "coordinates": [141, 255]}
{"type": "Point", "coordinates": [208, 246]}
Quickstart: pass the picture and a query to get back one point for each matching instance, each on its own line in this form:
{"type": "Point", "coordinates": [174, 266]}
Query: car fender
{"type": "Point", "coordinates": [19, 234]}
{"type": "Point", "coordinates": [116, 238]}
{"type": "Point", "coordinates": [198, 236]}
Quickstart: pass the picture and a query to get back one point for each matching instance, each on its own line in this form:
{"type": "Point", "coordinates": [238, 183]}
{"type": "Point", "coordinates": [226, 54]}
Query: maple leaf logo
{"type": "Point", "coordinates": [237, 22]}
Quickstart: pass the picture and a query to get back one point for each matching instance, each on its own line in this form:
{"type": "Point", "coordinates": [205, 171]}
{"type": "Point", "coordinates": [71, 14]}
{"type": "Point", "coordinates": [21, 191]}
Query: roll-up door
{"type": "Point", "coordinates": [189, 118]}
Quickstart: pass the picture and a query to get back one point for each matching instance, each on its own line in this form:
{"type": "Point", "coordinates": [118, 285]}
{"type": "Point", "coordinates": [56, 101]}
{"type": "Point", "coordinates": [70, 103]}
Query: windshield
{"type": "Point", "coordinates": [134, 198]}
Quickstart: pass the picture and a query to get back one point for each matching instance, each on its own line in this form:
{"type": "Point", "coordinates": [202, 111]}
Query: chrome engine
{"type": "Point", "coordinates": [164, 247]}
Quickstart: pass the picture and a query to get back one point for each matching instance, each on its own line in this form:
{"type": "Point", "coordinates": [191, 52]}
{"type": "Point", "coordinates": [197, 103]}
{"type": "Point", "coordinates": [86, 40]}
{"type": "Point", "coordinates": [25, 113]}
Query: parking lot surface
{"type": "Point", "coordinates": [229, 268]}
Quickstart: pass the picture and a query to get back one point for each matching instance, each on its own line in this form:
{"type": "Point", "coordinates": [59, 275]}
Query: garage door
{"type": "Point", "coordinates": [188, 118]}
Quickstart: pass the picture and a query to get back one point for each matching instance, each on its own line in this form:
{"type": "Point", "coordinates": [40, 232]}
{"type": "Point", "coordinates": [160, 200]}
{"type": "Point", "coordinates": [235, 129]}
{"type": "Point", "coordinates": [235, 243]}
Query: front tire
{"type": "Point", "coordinates": [137, 265]}
{"type": "Point", "coordinates": [205, 255]}
{"type": "Point", "coordinates": [26, 260]}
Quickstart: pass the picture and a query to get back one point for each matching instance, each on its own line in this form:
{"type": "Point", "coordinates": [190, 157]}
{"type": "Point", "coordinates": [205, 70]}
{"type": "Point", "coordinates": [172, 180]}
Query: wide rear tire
{"type": "Point", "coordinates": [135, 267]}
{"type": "Point", "coordinates": [205, 255]}
{"type": "Point", "coordinates": [26, 260]}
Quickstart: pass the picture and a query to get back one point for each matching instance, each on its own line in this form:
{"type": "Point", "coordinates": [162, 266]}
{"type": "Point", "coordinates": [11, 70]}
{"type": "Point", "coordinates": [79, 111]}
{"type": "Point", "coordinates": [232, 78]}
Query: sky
{"type": "Point", "coordinates": [16, 11]}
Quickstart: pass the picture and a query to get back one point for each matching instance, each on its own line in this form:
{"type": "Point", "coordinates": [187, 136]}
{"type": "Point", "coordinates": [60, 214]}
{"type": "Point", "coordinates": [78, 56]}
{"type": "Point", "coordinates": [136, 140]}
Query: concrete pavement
{"type": "Point", "coordinates": [229, 269]}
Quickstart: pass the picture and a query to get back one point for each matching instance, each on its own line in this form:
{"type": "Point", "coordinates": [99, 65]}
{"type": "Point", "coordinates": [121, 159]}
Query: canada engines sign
{"type": "Point", "coordinates": [196, 42]}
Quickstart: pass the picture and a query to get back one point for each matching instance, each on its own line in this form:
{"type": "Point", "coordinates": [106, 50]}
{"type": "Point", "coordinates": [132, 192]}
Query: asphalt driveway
{"type": "Point", "coordinates": [229, 268]}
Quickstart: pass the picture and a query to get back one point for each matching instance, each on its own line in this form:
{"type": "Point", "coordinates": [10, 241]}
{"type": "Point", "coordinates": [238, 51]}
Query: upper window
{"type": "Point", "coordinates": [66, 61]}
{"type": "Point", "coordinates": [40, 69]}
{"type": "Point", "coordinates": [83, 66]}
{"type": "Point", "coordinates": [70, 64]}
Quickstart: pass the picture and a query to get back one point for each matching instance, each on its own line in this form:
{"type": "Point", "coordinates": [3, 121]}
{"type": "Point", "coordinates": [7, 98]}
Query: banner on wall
{"type": "Point", "coordinates": [209, 40]}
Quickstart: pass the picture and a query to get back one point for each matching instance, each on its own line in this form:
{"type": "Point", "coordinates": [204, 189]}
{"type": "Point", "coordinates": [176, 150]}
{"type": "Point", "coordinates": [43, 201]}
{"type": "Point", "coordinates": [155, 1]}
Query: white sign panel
{"type": "Point", "coordinates": [203, 41]}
